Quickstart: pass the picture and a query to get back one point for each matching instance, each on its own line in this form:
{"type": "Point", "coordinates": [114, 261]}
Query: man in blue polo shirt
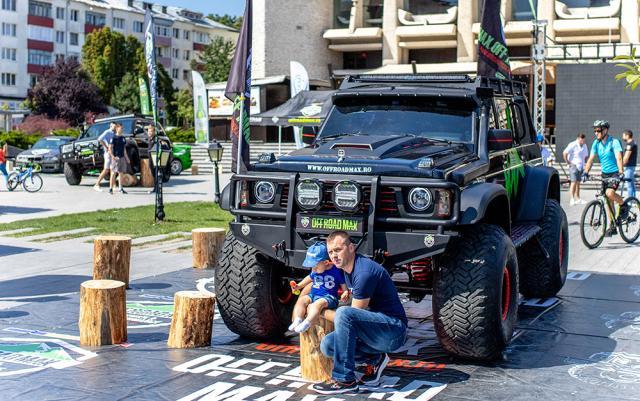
{"type": "Point", "coordinates": [609, 151]}
{"type": "Point", "coordinates": [373, 325]}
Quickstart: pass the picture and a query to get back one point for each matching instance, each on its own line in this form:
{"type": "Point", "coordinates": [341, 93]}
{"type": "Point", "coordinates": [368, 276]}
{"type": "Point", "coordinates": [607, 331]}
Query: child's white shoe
{"type": "Point", "coordinates": [295, 324]}
{"type": "Point", "coordinates": [302, 327]}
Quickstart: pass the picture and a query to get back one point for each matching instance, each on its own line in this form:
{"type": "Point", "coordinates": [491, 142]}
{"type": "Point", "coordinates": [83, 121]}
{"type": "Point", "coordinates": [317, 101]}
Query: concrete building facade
{"type": "Point", "coordinates": [35, 33]}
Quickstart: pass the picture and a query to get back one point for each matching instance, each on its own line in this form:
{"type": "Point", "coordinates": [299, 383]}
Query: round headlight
{"type": "Point", "coordinates": [308, 194]}
{"type": "Point", "coordinates": [265, 191]}
{"type": "Point", "coordinates": [420, 199]}
{"type": "Point", "coordinates": [346, 196]}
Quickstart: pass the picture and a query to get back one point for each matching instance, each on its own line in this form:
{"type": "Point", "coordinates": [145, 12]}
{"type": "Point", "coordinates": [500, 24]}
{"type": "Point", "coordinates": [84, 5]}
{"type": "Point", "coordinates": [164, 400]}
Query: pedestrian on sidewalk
{"type": "Point", "coordinates": [629, 161]}
{"type": "Point", "coordinates": [4, 150]}
{"type": "Point", "coordinates": [576, 155]}
{"type": "Point", "coordinates": [105, 140]}
{"type": "Point", "coordinates": [119, 159]}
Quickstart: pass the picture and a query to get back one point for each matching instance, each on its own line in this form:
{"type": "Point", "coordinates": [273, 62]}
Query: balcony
{"type": "Point", "coordinates": [40, 21]}
{"type": "Point", "coordinates": [361, 39]}
{"type": "Point", "coordinates": [88, 28]}
{"type": "Point", "coordinates": [39, 45]}
{"type": "Point", "coordinates": [36, 68]}
{"type": "Point", "coordinates": [517, 33]}
{"type": "Point", "coordinates": [427, 31]}
{"type": "Point", "coordinates": [165, 61]}
{"type": "Point", "coordinates": [587, 24]}
{"type": "Point", "coordinates": [198, 47]}
{"type": "Point", "coordinates": [163, 41]}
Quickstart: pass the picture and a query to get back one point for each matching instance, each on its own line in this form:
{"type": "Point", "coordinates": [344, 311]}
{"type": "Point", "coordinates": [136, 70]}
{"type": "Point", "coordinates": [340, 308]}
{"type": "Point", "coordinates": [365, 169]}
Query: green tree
{"type": "Point", "coordinates": [166, 90]}
{"type": "Point", "coordinates": [233, 21]}
{"type": "Point", "coordinates": [184, 107]}
{"type": "Point", "coordinates": [215, 61]}
{"type": "Point", "coordinates": [126, 96]}
{"type": "Point", "coordinates": [631, 73]}
{"type": "Point", "coordinates": [107, 56]}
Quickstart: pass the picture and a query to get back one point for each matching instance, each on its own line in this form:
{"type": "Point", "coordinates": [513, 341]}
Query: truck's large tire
{"type": "Point", "coordinates": [72, 173]}
{"type": "Point", "coordinates": [542, 277]}
{"type": "Point", "coordinates": [475, 294]}
{"type": "Point", "coordinates": [247, 287]}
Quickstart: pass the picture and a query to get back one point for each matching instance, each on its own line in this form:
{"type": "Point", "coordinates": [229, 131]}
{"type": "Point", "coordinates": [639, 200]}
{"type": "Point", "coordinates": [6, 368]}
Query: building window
{"type": "Point", "coordinates": [521, 10]}
{"type": "Point", "coordinates": [73, 39]}
{"type": "Point", "coordinates": [59, 13]}
{"type": "Point", "coordinates": [9, 5]}
{"type": "Point", "coordinates": [33, 79]}
{"type": "Point", "coordinates": [185, 75]}
{"type": "Point", "coordinates": [175, 53]}
{"type": "Point", "coordinates": [341, 13]}
{"type": "Point", "coordinates": [8, 29]}
{"type": "Point", "coordinates": [586, 3]}
{"type": "Point", "coordinates": [174, 73]}
{"type": "Point", "coordinates": [361, 60]}
{"type": "Point", "coordinates": [95, 19]}
{"type": "Point", "coordinates": [373, 13]}
{"type": "Point", "coordinates": [74, 56]}
{"type": "Point", "coordinates": [40, 33]}
{"type": "Point", "coordinates": [8, 79]}
{"type": "Point", "coordinates": [162, 31]}
{"type": "Point", "coordinates": [59, 57]}
{"type": "Point", "coordinates": [138, 26]}
{"type": "Point", "coordinates": [118, 23]}
{"type": "Point", "coordinates": [186, 54]}
{"type": "Point", "coordinates": [9, 53]}
{"type": "Point", "coordinates": [186, 34]}
{"type": "Point", "coordinates": [39, 57]}
{"type": "Point", "coordinates": [73, 16]}
{"type": "Point", "coordinates": [59, 36]}
{"type": "Point", "coordinates": [176, 33]}
{"type": "Point", "coordinates": [39, 9]}
{"type": "Point", "coordinates": [421, 7]}
{"type": "Point", "coordinates": [201, 37]}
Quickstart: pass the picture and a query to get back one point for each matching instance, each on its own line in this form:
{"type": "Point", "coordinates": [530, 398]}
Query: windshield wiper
{"type": "Point", "coordinates": [432, 140]}
{"type": "Point", "coordinates": [325, 137]}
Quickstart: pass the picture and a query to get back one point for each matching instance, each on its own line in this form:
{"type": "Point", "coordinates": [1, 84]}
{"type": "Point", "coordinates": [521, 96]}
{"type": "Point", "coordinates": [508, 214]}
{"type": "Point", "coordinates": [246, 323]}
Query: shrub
{"type": "Point", "coordinates": [41, 125]}
{"type": "Point", "coordinates": [74, 132]}
{"type": "Point", "coordinates": [187, 135]}
{"type": "Point", "coordinates": [19, 139]}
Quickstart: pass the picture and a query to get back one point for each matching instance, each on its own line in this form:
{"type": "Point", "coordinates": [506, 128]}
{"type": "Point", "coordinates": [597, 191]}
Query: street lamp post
{"type": "Point", "coordinates": [215, 155]}
{"type": "Point", "coordinates": [159, 157]}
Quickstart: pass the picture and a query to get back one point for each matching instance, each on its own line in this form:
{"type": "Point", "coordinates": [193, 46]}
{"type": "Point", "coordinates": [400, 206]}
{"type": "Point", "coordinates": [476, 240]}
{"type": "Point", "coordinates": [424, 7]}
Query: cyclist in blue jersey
{"type": "Point", "coordinates": [609, 151]}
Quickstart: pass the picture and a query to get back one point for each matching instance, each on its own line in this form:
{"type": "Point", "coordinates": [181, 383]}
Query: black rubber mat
{"type": "Point", "coordinates": [583, 345]}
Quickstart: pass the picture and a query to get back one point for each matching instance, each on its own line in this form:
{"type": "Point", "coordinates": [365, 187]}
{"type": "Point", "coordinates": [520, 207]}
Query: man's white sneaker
{"type": "Point", "coordinates": [572, 202]}
{"type": "Point", "coordinates": [97, 188]}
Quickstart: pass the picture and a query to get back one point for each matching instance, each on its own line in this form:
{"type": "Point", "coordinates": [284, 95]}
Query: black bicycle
{"type": "Point", "coordinates": [599, 214]}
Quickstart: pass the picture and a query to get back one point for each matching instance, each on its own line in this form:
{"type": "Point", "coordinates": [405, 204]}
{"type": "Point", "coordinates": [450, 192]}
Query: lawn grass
{"type": "Point", "coordinates": [134, 222]}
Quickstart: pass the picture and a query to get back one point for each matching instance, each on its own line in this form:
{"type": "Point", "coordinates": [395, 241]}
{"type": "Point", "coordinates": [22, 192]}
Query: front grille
{"type": "Point", "coordinates": [284, 197]}
{"type": "Point", "coordinates": [387, 202]}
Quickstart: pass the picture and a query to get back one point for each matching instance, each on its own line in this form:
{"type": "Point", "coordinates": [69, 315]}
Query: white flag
{"type": "Point", "coordinates": [299, 83]}
{"type": "Point", "coordinates": [200, 109]}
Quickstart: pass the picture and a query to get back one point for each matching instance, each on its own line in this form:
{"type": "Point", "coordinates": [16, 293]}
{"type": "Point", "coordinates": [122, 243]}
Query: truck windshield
{"type": "Point", "coordinates": [448, 119]}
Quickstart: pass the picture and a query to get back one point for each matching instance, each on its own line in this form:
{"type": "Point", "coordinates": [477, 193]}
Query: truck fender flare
{"type": "Point", "coordinates": [540, 183]}
{"type": "Point", "coordinates": [483, 201]}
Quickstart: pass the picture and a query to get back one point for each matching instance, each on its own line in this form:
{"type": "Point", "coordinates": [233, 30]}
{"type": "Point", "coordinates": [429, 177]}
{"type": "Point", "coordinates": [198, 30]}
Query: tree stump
{"type": "Point", "coordinates": [194, 170]}
{"type": "Point", "coordinates": [192, 321]}
{"type": "Point", "coordinates": [111, 258]}
{"type": "Point", "coordinates": [103, 313]}
{"type": "Point", "coordinates": [146, 175]}
{"type": "Point", "coordinates": [206, 244]}
{"type": "Point", "coordinates": [314, 365]}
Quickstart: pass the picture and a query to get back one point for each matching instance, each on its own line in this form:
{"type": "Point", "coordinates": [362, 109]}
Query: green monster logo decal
{"type": "Point", "coordinates": [514, 169]}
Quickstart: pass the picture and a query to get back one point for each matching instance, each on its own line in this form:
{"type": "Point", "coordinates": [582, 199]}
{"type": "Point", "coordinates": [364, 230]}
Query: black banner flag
{"type": "Point", "coordinates": [493, 57]}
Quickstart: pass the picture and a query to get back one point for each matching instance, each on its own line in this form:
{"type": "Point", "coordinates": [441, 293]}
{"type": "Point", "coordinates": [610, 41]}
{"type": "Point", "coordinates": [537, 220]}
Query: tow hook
{"type": "Point", "coordinates": [279, 249]}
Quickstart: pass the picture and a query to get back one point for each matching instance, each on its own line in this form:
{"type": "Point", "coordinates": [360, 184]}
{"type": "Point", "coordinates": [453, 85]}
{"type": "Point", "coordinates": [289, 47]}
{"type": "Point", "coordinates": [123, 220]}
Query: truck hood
{"type": "Point", "coordinates": [369, 154]}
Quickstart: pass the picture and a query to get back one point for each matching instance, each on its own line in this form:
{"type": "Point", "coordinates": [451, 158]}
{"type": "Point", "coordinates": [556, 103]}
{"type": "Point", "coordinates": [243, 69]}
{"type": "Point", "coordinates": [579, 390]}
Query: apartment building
{"type": "Point", "coordinates": [35, 33]}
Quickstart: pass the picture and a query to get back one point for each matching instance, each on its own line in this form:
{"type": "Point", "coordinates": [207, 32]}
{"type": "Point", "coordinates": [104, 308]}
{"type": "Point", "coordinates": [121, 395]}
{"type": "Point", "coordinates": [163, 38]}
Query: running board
{"type": "Point", "coordinates": [523, 233]}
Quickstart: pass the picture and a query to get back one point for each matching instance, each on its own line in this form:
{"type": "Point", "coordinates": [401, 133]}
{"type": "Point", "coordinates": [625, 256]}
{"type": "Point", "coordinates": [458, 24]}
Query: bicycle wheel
{"type": "Point", "coordinates": [593, 224]}
{"type": "Point", "coordinates": [630, 227]}
{"type": "Point", "coordinates": [32, 183]}
{"type": "Point", "coordinates": [13, 181]}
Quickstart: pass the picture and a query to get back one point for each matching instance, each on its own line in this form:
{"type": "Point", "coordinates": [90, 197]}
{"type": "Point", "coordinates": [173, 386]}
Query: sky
{"type": "Point", "coordinates": [232, 7]}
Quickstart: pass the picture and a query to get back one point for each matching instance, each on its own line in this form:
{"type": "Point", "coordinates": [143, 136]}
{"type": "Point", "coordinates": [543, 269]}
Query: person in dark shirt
{"type": "Point", "coordinates": [366, 331]}
{"type": "Point", "coordinates": [629, 160]}
{"type": "Point", "coordinates": [119, 159]}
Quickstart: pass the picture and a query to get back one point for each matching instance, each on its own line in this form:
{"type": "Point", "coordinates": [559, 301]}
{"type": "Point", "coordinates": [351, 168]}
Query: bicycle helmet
{"type": "Point", "coordinates": [601, 124]}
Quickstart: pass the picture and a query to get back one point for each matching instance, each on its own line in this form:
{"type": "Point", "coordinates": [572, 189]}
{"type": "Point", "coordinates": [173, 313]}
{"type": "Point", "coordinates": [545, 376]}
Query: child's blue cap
{"type": "Point", "coordinates": [316, 254]}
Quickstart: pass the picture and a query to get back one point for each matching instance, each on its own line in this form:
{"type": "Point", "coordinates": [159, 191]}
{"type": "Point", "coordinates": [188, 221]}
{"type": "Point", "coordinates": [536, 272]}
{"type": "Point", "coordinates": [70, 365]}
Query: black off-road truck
{"type": "Point", "coordinates": [438, 178]}
{"type": "Point", "coordinates": [86, 153]}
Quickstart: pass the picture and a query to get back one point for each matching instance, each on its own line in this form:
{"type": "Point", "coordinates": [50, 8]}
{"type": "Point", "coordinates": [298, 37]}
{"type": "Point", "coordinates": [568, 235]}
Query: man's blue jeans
{"type": "Point", "coordinates": [629, 173]}
{"type": "Point", "coordinates": [360, 336]}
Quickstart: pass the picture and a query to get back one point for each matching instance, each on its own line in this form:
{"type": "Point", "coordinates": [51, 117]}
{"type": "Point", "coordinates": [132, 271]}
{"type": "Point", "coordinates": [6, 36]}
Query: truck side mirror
{"type": "Point", "coordinates": [500, 139]}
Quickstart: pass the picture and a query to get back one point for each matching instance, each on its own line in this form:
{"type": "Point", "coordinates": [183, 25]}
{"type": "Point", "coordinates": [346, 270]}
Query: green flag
{"type": "Point", "coordinates": [145, 109]}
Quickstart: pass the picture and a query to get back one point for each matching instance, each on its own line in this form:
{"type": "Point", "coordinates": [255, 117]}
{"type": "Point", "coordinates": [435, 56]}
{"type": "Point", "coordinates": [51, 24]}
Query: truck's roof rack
{"type": "Point", "coordinates": [500, 87]}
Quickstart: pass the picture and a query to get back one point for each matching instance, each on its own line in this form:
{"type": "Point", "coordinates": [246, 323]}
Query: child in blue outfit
{"type": "Point", "coordinates": [326, 279]}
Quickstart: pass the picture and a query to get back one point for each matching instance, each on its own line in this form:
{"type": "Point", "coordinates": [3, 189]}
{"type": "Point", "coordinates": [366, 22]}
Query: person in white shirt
{"type": "Point", "coordinates": [575, 155]}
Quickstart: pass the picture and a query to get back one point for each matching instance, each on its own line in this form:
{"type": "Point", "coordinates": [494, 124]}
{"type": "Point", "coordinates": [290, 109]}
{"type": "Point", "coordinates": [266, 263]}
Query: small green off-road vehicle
{"type": "Point", "coordinates": [438, 178]}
